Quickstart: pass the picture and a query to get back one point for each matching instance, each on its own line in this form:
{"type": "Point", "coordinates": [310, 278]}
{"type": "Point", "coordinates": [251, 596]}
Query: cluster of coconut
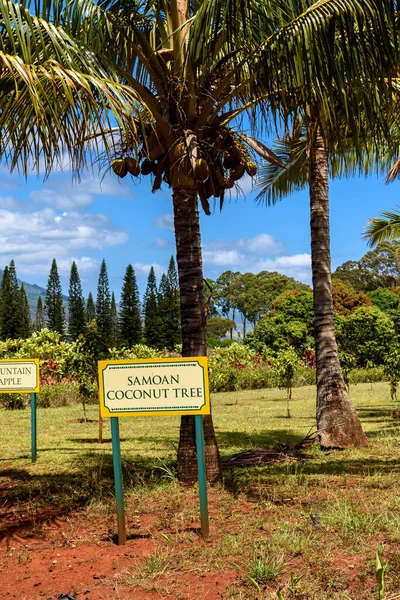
{"type": "Point", "coordinates": [123, 166]}
{"type": "Point", "coordinates": [222, 160]}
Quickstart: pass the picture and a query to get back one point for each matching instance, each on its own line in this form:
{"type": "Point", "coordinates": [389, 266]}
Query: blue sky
{"type": "Point", "coordinates": [123, 222]}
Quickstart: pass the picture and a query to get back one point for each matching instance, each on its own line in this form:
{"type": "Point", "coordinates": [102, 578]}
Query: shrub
{"type": "Point", "coordinates": [366, 375]}
{"type": "Point", "coordinates": [59, 394]}
{"type": "Point", "coordinates": [14, 401]}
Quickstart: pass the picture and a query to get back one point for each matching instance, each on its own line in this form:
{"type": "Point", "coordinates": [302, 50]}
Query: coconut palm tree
{"type": "Point", "coordinates": [307, 162]}
{"type": "Point", "coordinates": [194, 68]}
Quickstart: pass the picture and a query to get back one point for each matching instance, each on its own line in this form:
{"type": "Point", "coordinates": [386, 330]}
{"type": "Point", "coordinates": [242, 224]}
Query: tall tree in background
{"type": "Point", "coordinates": [221, 295]}
{"type": "Point", "coordinates": [25, 324]}
{"type": "Point", "coordinates": [15, 316]}
{"type": "Point", "coordinates": [169, 309]}
{"type": "Point", "coordinates": [103, 309]}
{"type": "Point", "coordinates": [90, 311]}
{"type": "Point", "coordinates": [39, 317]}
{"type": "Point", "coordinates": [130, 322]}
{"type": "Point", "coordinates": [114, 321]}
{"type": "Point", "coordinates": [5, 305]}
{"type": "Point", "coordinates": [76, 304]}
{"type": "Point", "coordinates": [53, 303]}
{"type": "Point", "coordinates": [305, 164]}
{"type": "Point", "coordinates": [152, 323]}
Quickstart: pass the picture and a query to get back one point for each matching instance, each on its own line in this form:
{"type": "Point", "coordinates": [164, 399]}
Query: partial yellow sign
{"type": "Point", "coordinates": [161, 386]}
{"type": "Point", "coordinates": [20, 375]}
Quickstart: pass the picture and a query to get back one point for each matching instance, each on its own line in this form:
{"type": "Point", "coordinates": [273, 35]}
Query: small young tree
{"type": "Point", "coordinates": [391, 369]}
{"type": "Point", "coordinates": [39, 318]}
{"type": "Point", "coordinates": [103, 309]}
{"type": "Point", "coordinates": [53, 304]}
{"type": "Point", "coordinates": [76, 304]}
{"type": "Point", "coordinates": [90, 311]}
{"type": "Point", "coordinates": [25, 323]}
{"type": "Point", "coordinates": [287, 365]}
{"type": "Point", "coordinates": [130, 323]}
{"type": "Point", "coordinates": [152, 321]}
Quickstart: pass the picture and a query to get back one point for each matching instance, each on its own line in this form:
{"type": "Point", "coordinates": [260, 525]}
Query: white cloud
{"type": "Point", "coordinates": [261, 244]}
{"type": "Point", "coordinates": [33, 239]}
{"type": "Point", "coordinates": [165, 221]}
{"type": "Point", "coordinates": [296, 260]}
{"type": "Point", "coordinates": [8, 202]}
{"type": "Point", "coordinates": [222, 258]}
{"type": "Point", "coordinates": [244, 254]}
{"type": "Point", "coordinates": [143, 268]}
{"type": "Point", "coordinates": [161, 243]}
{"type": "Point", "coordinates": [74, 199]}
{"type": "Point", "coordinates": [63, 194]}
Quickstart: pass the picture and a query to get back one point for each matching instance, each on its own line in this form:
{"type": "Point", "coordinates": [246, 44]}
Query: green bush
{"type": "Point", "coordinates": [14, 401]}
{"type": "Point", "coordinates": [59, 394]}
{"type": "Point", "coordinates": [241, 367]}
{"type": "Point", "coordinates": [216, 343]}
{"type": "Point", "coordinates": [366, 375]}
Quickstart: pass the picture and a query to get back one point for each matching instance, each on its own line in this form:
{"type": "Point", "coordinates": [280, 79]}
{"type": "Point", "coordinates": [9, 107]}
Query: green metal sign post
{"type": "Point", "coordinates": [33, 427]}
{"type": "Point", "coordinates": [159, 387]}
{"type": "Point", "coordinates": [119, 492]}
{"type": "Point", "coordinates": [201, 468]}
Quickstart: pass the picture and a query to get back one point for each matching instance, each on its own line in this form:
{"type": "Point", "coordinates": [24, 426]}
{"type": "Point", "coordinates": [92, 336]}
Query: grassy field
{"type": "Point", "coordinates": [306, 528]}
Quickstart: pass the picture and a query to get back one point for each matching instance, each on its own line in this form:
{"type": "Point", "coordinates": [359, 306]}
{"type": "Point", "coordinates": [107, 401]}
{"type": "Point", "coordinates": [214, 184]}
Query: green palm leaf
{"type": "Point", "coordinates": [384, 229]}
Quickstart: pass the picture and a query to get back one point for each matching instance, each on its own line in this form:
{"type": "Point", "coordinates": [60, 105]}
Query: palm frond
{"type": "Point", "coordinates": [383, 229]}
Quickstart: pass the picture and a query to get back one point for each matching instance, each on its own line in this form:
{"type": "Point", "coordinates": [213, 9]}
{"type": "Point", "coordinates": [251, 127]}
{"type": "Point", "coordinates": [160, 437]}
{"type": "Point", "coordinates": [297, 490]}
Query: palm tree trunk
{"type": "Point", "coordinates": [193, 320]}
{"type": "Point", "coordinates": [337, 422]}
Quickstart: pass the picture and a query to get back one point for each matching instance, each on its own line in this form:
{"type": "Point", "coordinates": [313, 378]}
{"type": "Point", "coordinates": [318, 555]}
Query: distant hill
{"type": "Point", "coordinates": [33, 291]}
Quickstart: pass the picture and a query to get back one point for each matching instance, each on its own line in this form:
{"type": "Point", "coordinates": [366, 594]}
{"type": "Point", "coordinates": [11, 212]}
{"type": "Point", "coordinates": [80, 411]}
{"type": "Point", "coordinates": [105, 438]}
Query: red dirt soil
{"type": "Point", "coordinates": [50, 566]}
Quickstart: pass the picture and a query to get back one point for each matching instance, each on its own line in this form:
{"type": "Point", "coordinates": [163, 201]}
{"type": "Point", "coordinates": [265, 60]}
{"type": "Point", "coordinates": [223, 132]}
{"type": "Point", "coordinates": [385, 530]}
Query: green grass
{"type": "Point", "coordinates": [263, 523]}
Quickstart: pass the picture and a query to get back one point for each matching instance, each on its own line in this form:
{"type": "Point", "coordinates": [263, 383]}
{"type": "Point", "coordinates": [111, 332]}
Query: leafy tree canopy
{"type": "Point", "coordinates": [384, 299]}
{"type": "Point", "coordinates": [377, 268]}
{"type": "Point", "coordinates": [366, 334]}
{"type": "Point", "coordinates": [346, 299]}
{"type": "Point", "coordinates": [218, 327]}
{"type": "Point", "coordinates": [254, 295]}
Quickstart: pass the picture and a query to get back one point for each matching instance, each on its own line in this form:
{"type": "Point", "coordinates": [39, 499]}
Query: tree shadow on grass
{"type": "Point", "coordinates": [368, 413]}
{"type": "Point", "coordinates": [264, 439]}
{"type": "Point", "coordinates": [28, 501]}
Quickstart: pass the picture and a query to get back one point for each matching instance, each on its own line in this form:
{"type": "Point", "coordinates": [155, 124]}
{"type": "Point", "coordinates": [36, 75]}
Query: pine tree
{"type": "Point", "coordinates": [10, 304]}
{"type": "Point", "coordinates": [5, 304]}
{"type": "Point", "coordinates": [90, 312]}
{"type": "Point", "coordinates": [114, 321]}
{"type": "Point", "coordinates": [130, 322]}
{"type": "Point", "coordinates": [76, 305]}
{"type": "Point", "coordinates": [25, 323]}
{"type": "Point", "coordinates": [39, 319]}
{"type": "Point", "coordinates": [103, 309]}
{"type": "Point", "coordinates": [53, 304]}
{"type": "Point", "coordinates": [15, 306]}
{"type": "Point", "coordinates": [152, 321]}
{"type": "Point", "coordinates": [169, 308]}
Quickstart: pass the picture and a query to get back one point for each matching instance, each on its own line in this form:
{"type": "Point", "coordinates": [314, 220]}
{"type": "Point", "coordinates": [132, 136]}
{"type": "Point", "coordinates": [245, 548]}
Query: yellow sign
{"type": "Point", "coordinates": [20, 375]}
{"type": "Point", "coordinates": [161, 386]}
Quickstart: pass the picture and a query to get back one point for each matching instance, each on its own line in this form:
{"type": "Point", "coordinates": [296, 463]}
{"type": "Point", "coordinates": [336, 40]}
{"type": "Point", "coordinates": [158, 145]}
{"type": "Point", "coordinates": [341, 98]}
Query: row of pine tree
{"type": "Point", "coordinates": [156, 322]}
